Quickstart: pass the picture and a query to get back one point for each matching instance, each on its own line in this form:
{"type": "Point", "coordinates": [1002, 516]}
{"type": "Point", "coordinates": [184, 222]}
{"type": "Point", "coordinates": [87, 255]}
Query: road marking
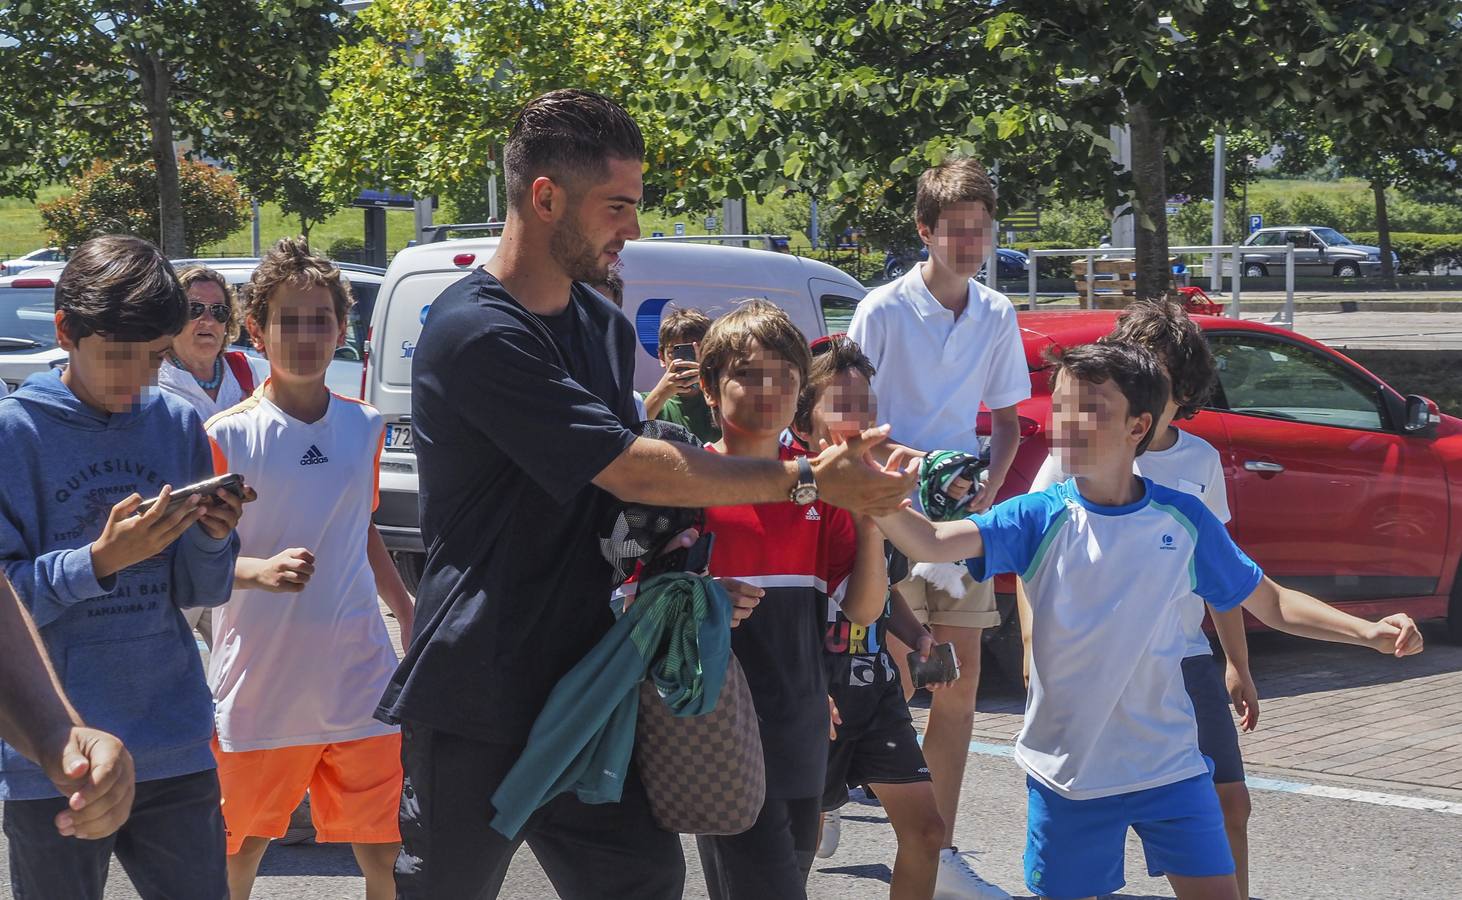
{"type": "Point", "coordinates": [1374, 798]}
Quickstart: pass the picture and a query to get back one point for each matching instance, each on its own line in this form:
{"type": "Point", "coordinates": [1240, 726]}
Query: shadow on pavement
{"type": "Point", "coordinates": [309, 859]}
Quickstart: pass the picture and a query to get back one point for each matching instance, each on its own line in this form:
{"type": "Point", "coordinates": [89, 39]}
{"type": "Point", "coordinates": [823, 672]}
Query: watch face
{"type": "Point", "coordinates": [803, 494]}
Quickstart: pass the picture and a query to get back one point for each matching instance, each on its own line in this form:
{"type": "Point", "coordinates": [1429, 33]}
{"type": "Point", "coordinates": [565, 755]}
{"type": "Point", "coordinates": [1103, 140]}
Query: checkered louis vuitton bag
{"type": "Point", "coordinates": [703, 774]}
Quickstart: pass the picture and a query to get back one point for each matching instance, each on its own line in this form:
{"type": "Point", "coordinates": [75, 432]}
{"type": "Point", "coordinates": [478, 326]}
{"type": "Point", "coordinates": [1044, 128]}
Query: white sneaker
{"type": "Point", "coordinates": [957, 880]}
{"type": "Point", "coordinates": [832, 830]}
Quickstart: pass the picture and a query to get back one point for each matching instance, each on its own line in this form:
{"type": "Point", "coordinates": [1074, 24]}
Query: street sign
{"type": "Point", "coordinates": [680, 229]}
{"type": "Point", "coordinates": [1173, 210]}
{"type": "Point", "coordinates": [711, 223]}
{"type": "Point", "coordinates": [657, 234]}
{"type": "Point", "coordinates": [1022, 220]}
{"type": "Point", "coordinates": [1255, 223]}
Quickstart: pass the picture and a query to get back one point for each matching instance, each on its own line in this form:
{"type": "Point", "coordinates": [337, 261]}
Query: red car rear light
{"type": "Point", "coordinates": [464, 259]}
{"type": "Point", "coordinates": [32, 283]}
{"type": "Point", "coordinates": [1028, 427]}
{"type": "Point", "coordinates": [365, 360]}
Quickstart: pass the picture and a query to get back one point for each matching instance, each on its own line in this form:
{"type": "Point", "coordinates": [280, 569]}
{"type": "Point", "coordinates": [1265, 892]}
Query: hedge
{"type": "Point", "coordinates": [1418, 251]}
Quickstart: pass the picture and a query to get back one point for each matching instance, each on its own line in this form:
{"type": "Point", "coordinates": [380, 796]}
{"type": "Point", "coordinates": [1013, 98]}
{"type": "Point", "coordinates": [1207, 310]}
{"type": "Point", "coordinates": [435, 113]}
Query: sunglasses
{"type": "Point", "coordinates": [220, 311]}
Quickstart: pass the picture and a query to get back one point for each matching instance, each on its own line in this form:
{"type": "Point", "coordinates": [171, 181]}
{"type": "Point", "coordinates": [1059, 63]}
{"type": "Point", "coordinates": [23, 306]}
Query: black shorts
{"type": "Point", "coordinates": [1218, 738]}
{"type": "Point", "coordinates": [877, 743]}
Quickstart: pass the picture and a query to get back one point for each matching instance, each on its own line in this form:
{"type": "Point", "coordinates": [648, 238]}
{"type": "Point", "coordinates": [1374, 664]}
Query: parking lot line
{"type": "Point", "coordinates": [1374, 798]}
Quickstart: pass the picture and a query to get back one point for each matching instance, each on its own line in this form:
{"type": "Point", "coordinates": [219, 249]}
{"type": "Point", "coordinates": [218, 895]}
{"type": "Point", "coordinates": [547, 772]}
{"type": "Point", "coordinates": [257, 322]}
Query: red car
{"type": "Point", "coordinates": [1339, 485]}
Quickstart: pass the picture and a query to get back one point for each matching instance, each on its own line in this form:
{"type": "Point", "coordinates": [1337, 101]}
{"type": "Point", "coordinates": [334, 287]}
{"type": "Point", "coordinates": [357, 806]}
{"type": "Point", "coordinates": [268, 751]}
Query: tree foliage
{"type": "Point", "coordinates": [422, 103]}
{"type": "Point", "coordinates": [237, 79]}
{"type": "Point", "coordinates": [121, 198]}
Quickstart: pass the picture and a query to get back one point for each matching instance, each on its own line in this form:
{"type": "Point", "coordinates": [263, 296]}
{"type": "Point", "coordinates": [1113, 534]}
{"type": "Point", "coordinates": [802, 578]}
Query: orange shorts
{"type": "Point", "coordinates": [354, 787]}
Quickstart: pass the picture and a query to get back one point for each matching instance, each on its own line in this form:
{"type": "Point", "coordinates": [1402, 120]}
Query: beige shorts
{"type": "Point", "coordinates": [935, 604]}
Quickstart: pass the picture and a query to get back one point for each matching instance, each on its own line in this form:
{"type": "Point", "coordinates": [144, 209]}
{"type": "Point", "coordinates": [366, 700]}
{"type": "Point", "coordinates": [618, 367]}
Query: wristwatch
{"type": "Point", "coordinates": [804, 492]}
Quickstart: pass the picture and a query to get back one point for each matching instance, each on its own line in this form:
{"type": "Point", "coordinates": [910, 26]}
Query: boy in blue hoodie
{"type": "Point", "coordinates": [107, 586]}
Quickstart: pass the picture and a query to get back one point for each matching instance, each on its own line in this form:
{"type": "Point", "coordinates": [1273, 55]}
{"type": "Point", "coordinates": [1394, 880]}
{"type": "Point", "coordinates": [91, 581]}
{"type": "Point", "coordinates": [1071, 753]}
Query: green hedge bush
{"type": "Point", "coordinates": [1418, 252]}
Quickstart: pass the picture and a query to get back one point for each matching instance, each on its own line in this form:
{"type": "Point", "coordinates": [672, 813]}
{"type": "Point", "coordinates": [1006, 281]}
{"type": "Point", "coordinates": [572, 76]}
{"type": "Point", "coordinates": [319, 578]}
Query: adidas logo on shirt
{"type": "Point", "coordinates": [313, 457]}
{"type": "Point", "coordinates": [813, 515]}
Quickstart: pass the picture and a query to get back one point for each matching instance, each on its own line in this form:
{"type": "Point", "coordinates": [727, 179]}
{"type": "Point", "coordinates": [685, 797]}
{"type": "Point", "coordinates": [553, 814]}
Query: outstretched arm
{"type": "Point", "coordinates": [1291, 611]}
{"type": "Point", "coordinates": [924, 541]}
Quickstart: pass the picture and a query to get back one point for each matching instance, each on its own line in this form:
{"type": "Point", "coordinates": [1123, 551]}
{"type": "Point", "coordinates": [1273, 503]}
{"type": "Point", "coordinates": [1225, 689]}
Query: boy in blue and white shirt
{"type": "Point", "coordinates": [1109, 561]}
{"type": "Point", "coordinates": [1187, 463]}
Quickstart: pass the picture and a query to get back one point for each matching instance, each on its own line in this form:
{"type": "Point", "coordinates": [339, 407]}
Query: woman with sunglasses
{"type": "Point", "coordinates": [201, 369]}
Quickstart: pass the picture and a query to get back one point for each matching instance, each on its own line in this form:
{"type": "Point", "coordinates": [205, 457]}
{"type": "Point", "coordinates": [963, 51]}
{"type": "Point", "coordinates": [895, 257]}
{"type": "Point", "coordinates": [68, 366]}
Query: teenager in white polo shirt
{"type": "Point", "coordinates": [1110, 560]}
{"type": "Point", "coordinates": [301, 655]}
{"type": "Point", "coordinates": [942, 345]}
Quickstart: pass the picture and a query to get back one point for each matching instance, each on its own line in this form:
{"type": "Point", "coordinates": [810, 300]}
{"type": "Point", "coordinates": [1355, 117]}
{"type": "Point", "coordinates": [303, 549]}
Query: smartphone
{"type": "Point", "coordinates": [683, 351]}
{"type": "Point", "coordinates": [941, 667]}
{"type": "Point", "coordinates": [232, 483]}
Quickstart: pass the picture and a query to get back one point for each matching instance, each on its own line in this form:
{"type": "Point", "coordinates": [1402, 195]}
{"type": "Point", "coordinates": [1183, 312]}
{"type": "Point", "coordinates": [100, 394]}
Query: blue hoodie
{"type": "Point", "coordinates": [121, 647]}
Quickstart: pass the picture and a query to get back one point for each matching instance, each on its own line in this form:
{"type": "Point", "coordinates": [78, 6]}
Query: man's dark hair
{"type": "Point", "coordinates": [120, 287]}
{"type": "Point", "coordinates": [1134, 368]}
{"type": "Point", "coordinates": [1163, 327]}
{"type": "Point", "coordinates": [568, 135]}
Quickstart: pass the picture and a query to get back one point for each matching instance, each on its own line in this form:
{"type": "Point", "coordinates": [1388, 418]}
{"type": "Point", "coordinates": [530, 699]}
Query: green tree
{"type": "Point", "coordinates": [771, 93]}
{"type": "Point", "coordinates": [121, 198]}
{"type": "Point", "coordinates": [239, 79]}
{"type": "Point", "coordinates": [424, 100]}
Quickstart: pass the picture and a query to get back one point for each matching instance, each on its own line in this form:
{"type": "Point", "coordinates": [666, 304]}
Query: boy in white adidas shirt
{"type": "Point", "coordinates": [1187, 463]}
{"type": "Point", "coordinates": [1109, 560]}
{"type": "Point", "coordinates": [301, 654]}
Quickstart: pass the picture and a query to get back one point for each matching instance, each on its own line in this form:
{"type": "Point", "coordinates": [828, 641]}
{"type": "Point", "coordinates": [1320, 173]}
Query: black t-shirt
{"type": "Point", "coordinates": [514, 416]}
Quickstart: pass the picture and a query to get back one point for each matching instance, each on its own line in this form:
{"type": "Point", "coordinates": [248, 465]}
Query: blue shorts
{"type": "Point", "coordinates": [1218, 738]}
{"type": "Point", "coordinates": [1076, 848]}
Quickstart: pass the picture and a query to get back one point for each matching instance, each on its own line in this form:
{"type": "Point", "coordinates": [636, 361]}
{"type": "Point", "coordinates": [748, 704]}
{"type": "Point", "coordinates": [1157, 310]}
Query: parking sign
{"type": "Point", "coordinates": [680, 229]}
{"type": "Point", "coordinates": [1255, 223]}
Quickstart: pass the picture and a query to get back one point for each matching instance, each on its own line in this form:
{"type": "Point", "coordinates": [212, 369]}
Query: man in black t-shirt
{"type": "Point", "coordinates": [521, 388]}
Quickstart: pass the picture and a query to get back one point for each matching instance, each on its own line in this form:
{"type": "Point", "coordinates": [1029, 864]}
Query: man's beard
{"type": "Point", "coordinates": [579, 259]}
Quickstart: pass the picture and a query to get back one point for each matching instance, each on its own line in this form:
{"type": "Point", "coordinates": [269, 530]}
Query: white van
{"type": "Point", "coordinates": [657, 273]}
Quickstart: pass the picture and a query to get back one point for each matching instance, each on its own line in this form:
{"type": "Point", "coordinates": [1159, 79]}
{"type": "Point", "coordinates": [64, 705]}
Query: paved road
{"type": "Point", "coordinates": [1379, 330]}
{"type": "Point", "coordinates": [1357, 770]}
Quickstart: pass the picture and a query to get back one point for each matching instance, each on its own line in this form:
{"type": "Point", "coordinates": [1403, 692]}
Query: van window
{"type": "Point", "coordinates": [837, 313]}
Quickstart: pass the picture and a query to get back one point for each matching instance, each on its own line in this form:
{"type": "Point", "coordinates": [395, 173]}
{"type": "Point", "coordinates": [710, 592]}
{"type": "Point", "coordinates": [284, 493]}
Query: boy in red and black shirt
{"type": "Point", "coordinates": [801, 555]}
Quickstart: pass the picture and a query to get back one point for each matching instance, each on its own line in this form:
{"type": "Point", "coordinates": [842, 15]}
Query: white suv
{"type": "Point", "coordinates": [657, 273]}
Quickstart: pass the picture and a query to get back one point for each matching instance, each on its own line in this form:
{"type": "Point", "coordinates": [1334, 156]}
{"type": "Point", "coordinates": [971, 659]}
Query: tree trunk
{"type": "Point", "coordinates": [1149, 177]}
{"type": "Point", "coordinates": [1383, 225]}
{"type": "Point", "coordinates": [156, 96]}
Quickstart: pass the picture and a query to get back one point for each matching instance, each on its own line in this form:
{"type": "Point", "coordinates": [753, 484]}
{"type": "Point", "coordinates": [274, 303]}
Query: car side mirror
{"type": "Point", "coordinates": [347, 353]}
{"type": "Point", "coordinates": [1422, 416]}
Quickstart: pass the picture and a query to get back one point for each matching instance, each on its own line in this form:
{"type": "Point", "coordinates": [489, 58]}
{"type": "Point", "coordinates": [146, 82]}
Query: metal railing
{"type": "Point", "coordinates": [1235, 251]}
{"type": "Point", "coordinates": [770, 241]}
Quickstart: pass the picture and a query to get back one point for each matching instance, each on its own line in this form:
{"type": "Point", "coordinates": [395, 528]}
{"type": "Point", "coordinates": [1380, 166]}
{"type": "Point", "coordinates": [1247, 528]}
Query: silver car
{"type": "Point", "coordinates": [28, 329]}
{"type": "Point", "coordinates": [1318, 251]}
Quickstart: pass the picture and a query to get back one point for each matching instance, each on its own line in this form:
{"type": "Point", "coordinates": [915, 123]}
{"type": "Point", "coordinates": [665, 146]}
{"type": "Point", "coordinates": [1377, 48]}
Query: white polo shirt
{"type": "Point", "coordinates": [1191, 465]}
{"type": "Point", "coordinates": [1107, 712]}
{"type": "Point", "coordinates": [289, 670]}
{"type": "Point", "coordinates": [933, 370]}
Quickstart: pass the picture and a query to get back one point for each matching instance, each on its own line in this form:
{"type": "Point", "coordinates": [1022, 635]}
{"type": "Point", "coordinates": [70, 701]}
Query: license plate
{"type": "Point", "coordinates": [398, 437]}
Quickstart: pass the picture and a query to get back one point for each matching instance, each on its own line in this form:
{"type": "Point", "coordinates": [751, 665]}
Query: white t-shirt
{"type": "Point", "coordinates": [1190, 465]}
{"type": "Point", "coordinates": [933, 370]}
{"type": "Point", "coordinates": [1107, 712]}
{"type": "Point", "coordinates": [230, 392]}
{"type": "Point", "coordinates": [307, 668]}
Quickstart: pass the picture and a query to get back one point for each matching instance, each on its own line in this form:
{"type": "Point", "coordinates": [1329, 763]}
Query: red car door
{"type": "Point", "coordinates": [1329, 495]}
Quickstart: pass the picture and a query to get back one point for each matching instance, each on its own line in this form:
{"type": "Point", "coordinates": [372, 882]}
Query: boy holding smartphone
{"type": "Point", "coordinates": [107, 586]}
{"type": "Point", "coordinates": [301, 653]}
{"type": "Point", "coordinates": [678, 397]}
